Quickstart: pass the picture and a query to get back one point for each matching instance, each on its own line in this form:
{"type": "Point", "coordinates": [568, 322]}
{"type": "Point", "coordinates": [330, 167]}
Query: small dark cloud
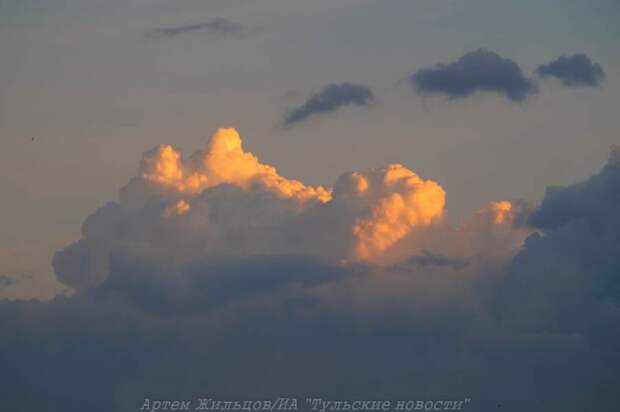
{"type": "Point", "coordinates": [331, 98]}
{"type": "Point", "coordinates": [218, 25]}
{"type": "Point", "coordinates": [576, 70]}
{"type": "Point", "coordinates": [478, 71]}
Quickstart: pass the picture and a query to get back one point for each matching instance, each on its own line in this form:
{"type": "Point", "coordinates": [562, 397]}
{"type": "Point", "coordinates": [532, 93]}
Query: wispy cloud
{"type": "Point", "coordinates": [217, 25]}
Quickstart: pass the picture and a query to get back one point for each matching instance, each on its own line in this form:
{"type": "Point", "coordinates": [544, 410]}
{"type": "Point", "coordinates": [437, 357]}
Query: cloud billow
{"type": "Point", "coordinates": [478, 71]}
{"type": "Point", "coordinates": [575, 70]}
{"type": "Point", "coordinates": [329, 99]}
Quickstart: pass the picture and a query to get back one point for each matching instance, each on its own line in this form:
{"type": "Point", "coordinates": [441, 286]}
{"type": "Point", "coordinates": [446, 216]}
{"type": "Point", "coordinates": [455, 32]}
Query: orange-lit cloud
{"type": "Point", "coordinates": [373, 210]}
{"type": "Point", "coordinates": [496, 229]}
{"type": "Point", "coordinates": [222, 161]}
{"type": "Point", "coordinates": [179, 208]}
{"type": "Point", "coordinates": [499, 213]}
{"type": "Point", "coordinates": [399, 200]}
{"type": "Point", "coordinates": [385, 205]}
{"type": "Point", "coordinates": [233, 205]}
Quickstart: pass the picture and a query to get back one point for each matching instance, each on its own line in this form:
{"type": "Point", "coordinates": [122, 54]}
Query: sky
{"type": "Point", "coordinates": [417, 197]}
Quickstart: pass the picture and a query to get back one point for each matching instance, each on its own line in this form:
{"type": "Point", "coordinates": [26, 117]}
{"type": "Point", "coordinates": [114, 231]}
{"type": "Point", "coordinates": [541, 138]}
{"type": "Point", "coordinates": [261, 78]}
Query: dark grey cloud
{"type": "Point", "coordinates": [478, 71]}
{"type": "Point", "coordinates": [595, 200]}
{"type": "Point", "coordinates": [269, 326]}
{"type": "Point", "coordinates": [331, 98]}
{"type": "Point", "coordinates": [216, 25]}
{"type": "Point", "coordinates": [566, 279]}
{"type": "Point", "coordinates": [210, 284]}
{"type": "Point", "coordinates": [576, 70]}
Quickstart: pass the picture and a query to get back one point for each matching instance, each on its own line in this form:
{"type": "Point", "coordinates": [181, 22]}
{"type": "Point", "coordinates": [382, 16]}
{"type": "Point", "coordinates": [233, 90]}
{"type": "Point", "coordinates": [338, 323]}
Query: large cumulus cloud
{"type": "Point", "coordinates": [233, 282]}
{"type": "Point", "coordinates": [222, 201]}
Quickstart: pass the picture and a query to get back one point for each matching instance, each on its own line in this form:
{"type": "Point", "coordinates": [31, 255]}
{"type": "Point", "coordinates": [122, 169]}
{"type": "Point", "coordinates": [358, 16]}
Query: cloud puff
{"type": "Point", "coordinates": [396, 201]}
{"type": "Point", "coordinates": [331, 98]}
{"type": "Point", "coordinates": [222, 161]}
{"type": "Point", "coordinates": [575, 70]}
{"type": "Point", "coordinates": [217, 25]}
{"type": "Point", "coordinates": [204, 282]}
{"type": "Point", "coordinates": [478, 71]}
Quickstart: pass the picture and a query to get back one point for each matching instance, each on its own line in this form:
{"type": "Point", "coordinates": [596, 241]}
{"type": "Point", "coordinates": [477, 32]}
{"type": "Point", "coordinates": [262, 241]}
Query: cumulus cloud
{"type": "Point", "coordinates": [575, 70]}
{"type": "Point", "coordinates": [217, 25]}
{"type": "Point", "coordinates": [222, 161]}
{"type": "Point", "coordinates": [222, 201]}
{"type": "Point", "coordinates": [215, 277]}
{"type": "Point", "coordinates": [331, 98]}
{"type": "Point", "coordinates": [478, 71]}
